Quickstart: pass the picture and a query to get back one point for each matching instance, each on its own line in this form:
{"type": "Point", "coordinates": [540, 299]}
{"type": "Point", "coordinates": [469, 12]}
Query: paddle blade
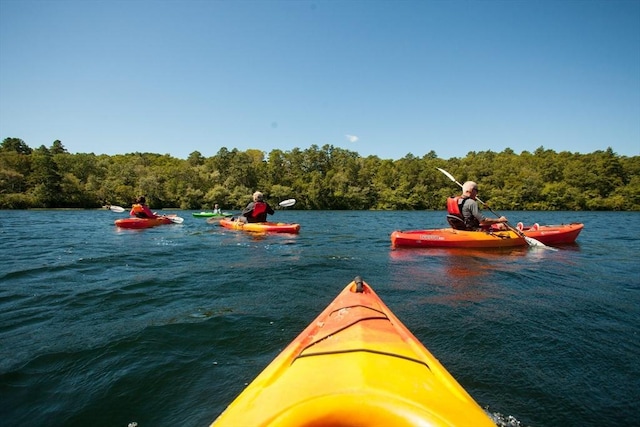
{"type": "Point", "coordinates": [176, 219]}
{"type": "Point", "coordinates": [537, 243]}
{"type": "Point", "coordinates": [116, 208]}
{"type": "Point", "coordinates": [287, 203]}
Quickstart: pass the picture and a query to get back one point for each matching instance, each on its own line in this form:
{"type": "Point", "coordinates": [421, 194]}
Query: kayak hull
{"type": "Point", "coordinates": [138, 223]}
{"type": "Point", "coordinates": [211, 214]}
{"type": "Point", "coordinates": [450, 238]}
{"type": "Point", "coordinates": [555, 234]}
{"type": "Point", "coordinates": [356, 364]}
{"type": "Point", "coordinates": [261, 227]}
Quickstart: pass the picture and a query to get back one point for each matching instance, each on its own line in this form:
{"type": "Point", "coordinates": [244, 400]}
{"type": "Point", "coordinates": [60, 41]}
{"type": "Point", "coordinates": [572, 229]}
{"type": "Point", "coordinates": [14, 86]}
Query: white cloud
{"type": "Point", "coordinates": [352, 138]}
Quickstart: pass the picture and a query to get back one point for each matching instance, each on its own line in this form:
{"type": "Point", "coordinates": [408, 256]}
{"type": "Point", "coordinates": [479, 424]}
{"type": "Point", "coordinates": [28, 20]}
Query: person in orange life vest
{"type": "Point", "coordinates": [141, 210]}
{"type": "Point", "coordinates": [257, 210]}
{"type": "Point", "coordinates": [465, 207]}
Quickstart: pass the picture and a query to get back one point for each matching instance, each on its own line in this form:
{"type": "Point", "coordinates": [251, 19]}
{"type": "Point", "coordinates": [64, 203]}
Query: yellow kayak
{"type": "Point", "coordinates": [356, 364]}
{"type": "Point", "coordinates": [261, 227]}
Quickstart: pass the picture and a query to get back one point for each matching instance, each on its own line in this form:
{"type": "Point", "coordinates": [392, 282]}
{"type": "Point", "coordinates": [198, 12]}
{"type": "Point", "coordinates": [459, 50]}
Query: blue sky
{"type": "Point", "coordinates": [384, 78]}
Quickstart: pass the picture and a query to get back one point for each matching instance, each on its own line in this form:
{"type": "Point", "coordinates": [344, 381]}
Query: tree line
{"type": "Point", "coordinates": [321, 178]}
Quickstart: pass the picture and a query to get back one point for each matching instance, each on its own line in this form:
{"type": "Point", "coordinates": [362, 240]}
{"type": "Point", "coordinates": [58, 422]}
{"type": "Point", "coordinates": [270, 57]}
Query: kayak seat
{"type": "Point", "coordinates": [455, 222]}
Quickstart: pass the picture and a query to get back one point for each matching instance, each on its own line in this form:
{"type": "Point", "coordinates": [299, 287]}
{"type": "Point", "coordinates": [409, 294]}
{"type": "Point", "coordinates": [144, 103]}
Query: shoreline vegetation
{"type": "Point", "coordinates": [320, 178]}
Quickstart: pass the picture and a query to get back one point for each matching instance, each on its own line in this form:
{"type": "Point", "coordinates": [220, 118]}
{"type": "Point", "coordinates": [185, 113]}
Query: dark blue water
{"type": "Point", "coordinates": [164, 327]}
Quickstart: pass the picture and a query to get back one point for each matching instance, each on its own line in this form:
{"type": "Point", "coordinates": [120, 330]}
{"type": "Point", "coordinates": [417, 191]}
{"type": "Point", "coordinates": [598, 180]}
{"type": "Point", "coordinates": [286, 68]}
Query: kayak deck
{"type": "Point", "coordinates": [356, 364]}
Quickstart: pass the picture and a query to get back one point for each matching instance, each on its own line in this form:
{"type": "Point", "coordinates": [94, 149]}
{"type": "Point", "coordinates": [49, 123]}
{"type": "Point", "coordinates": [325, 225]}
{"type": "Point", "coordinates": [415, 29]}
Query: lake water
{"type": "Point", "coordinates": [164, 327]}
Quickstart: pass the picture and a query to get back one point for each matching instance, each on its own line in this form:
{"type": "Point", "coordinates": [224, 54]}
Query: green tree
{"type": "Point", "coordinates": [15, 144]}
{"type": "Point", "coordinates": [44, 180]}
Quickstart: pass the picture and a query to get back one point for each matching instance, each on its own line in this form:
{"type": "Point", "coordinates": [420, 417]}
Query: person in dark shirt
{"type": "Point", "coordinates": [257, 210]}
{"type": "Point", "coordinates": [465, 208]}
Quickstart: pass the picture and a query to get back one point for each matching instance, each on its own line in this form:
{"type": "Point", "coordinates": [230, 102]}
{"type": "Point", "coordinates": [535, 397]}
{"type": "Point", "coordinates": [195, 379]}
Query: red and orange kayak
{"type": "Point", "coordinates": [261, 227]}
{"type": "Point", "coordinates": [134, 222]}
{"type": "Point", "coordinates": [356, 364]}
{"type": "Point", "coordinates": [450, 238]}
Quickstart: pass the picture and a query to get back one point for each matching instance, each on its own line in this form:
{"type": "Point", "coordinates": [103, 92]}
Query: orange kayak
{"type": "Point", "coordinates": [450, 238]}
{"type": "Point", "coordinates": [261, 227]}
{"type": "Point", "coordinates": [356, 364]}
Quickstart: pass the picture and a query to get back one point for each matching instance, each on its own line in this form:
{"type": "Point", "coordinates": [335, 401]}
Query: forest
{"type": "Point", "coordinates": [322, 178]}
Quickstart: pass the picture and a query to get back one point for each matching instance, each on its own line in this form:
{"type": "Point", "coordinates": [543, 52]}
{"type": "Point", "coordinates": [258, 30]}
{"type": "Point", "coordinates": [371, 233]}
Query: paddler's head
{"type": "Point", "coordinates": [470, 189]}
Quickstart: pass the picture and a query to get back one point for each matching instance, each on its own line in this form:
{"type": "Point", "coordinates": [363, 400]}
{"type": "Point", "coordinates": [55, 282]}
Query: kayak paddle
{"type": "Point", "coordinates": [530, 240]}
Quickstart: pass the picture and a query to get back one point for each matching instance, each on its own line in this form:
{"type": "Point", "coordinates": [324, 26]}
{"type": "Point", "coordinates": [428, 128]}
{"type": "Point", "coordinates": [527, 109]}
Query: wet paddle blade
{"type": "Point", "coordinates": [176, 219]}
{"type": "Point", "coordinates": [537, 243]}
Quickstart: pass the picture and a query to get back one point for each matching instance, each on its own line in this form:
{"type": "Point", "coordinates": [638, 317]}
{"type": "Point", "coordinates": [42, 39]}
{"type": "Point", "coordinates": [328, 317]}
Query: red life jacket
{"type": "Point", "coordinates": [453, 206]}
{"type": "Point", "coordinates": [258, 209]}
{"type": "Point", "coordinates": [258, 213]}
{"type": "Point", "coordinates": [455, 217]}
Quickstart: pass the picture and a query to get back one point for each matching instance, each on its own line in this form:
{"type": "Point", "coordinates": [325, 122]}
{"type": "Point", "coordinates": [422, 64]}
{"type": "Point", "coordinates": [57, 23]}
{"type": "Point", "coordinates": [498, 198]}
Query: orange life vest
{"type": "Point", "coordinates": [454, 207]}
{"type": "Point", "coordinates": [138, 210]}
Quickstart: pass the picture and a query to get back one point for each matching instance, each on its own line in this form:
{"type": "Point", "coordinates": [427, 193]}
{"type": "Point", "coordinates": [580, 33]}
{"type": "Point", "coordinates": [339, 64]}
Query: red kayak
{"type": "Point", "coordinates": [137, 223]}
{"type": "Point", "coordinates": [451, 238]}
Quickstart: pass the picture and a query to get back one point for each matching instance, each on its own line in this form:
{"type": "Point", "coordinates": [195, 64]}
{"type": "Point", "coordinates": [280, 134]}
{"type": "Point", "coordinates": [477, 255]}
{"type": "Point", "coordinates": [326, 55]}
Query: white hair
{"type": "Point", "coordinates": [257, 196]}
{"type": "Point", "coordinates": [468, 186]}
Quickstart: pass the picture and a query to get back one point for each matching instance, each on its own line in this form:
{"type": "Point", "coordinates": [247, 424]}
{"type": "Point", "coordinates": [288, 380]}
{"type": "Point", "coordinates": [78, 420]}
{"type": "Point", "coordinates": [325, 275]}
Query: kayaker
{"type": "Point", "coordinates": [257, 210]}
{"type": "Point", "coordinates": [464, 214]}
{"type": "Point", "coordinates": [216, 210]}
{"type": "Point", "coordinates": [141, 210]}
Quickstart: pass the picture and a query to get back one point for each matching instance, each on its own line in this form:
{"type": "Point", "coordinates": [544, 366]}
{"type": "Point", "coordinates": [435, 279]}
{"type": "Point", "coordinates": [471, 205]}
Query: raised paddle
{"type": "Point", "coordinates": [530, 240]}
{"type": "Point", "coordinates": [287, 203]}
{"type": "Point", "coordinates": [175, 219]}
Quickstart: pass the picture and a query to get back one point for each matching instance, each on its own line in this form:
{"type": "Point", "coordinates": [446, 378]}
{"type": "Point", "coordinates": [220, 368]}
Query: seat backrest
{"type": "Point", "coordinates": [455, 222]}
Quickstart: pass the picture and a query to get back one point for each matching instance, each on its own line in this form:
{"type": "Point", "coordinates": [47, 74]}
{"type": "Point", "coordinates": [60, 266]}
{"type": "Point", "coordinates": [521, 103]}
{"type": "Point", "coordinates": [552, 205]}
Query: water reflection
{"type": "Point", "coordinates": [455, 275]}
{"type": "Point", "coordinates": [459, 262]}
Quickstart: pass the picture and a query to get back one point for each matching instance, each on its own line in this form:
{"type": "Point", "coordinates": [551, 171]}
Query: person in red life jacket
{"type": "Point", "coordinates": [141, 210]}
{"type": "Point", "coordinates": [464, 214]}
{"type": "Point", "coordinates": [257, 210]}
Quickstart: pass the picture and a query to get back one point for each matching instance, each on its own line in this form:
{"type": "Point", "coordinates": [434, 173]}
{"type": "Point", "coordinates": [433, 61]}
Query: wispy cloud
{"type": "Point", "coordinates": [352, 138]}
